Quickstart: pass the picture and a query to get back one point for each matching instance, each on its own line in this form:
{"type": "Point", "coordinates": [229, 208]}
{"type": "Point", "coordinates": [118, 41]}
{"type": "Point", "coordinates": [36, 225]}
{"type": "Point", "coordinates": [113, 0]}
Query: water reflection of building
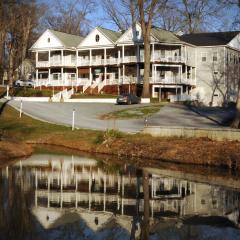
{"type": "Point", "coordinates": [78, 183]}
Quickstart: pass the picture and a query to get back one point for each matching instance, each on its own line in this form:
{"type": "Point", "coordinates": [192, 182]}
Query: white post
{"type": "Point", "coordinates": [37, 77]}
{"type": "Point", "coordinates": [119, 56]}
{"type": "Point", "coordinates": [138, 54]}
{"type": "Point", "coordinates": [119, 75]}
{"type": "Point", "coordinates": [7, 91]}
{"type": "Point", "coordinates": [49, 74]}
{"type": "Point", "coordinates": [123, 54]}
{"type": "Point", "coordinates": [105, 75]}
{"type": "Point", "coordinates": [73, 119]}
{"type": "Point", "coordinates": [153, 50]}
{"type": "Point", "coordinates": [123, 73]}
{"type": "Point", "coordinates": [90, 57]}
{"type": "Point", "coordinates": [138, 73]}
{"type": "Point", "coordinates": [62, 76]}
{"type": "Point", "coordinates": [49, 57]}
{"type": "Point", "coordinates": [62, 57]}
{"type": "Point", "coordinates": [20, 112]}
{"type": "Point", "coordinates": [90, 73]}
{"type": "Point", "coordinates": [105, 56]}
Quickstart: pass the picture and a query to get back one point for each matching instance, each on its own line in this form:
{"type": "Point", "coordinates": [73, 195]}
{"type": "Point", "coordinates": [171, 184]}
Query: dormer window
{"type": "Point", "coordinates": [48, 40]}
{"type": "Point", "coordinates": [97, 37]}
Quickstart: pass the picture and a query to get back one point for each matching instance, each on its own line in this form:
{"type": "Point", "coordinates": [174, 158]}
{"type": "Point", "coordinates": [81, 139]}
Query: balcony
{"type": "Point", "coordinates": [128, 59]}
{"type": "Point", "coordinates": [83, 61]}
{"type": "Point", "coordinates": [43, 64]}
{"type": "Point", "coordinates": [97, 61]}
{"type": "Point", "coordinates": [167, 58]}
{"type": "Point", "coordinates": [166, 80]}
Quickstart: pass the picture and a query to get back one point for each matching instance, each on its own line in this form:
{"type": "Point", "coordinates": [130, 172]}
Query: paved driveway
{"type": "Point", "coordinates": [180, 115]}
{"type": "Point", "coordinates": [87, 115]}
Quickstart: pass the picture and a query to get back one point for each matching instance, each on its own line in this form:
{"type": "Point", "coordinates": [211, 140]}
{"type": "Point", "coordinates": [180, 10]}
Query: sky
{"type": "Point", "coordinates": [97, 17]}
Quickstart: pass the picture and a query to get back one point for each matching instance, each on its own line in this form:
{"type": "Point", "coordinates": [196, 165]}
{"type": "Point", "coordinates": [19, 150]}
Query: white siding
{"type": "Point", "coordinates": [43, 42]}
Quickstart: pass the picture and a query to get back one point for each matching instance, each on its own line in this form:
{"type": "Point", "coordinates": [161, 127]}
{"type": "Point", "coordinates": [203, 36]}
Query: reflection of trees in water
{"type": "Point", "coordinates": [16, 221]}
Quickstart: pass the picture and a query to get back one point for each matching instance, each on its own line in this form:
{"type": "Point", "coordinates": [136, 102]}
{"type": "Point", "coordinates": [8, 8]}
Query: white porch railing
{"type": "Point", "coordinates": [83, 61]}
{"type": "Point", "coordinates": [97, 61]}
{"type": "Point", "coordinates": [168, 80]}
{"type": "Point", "coordinates": [42, 64]}
{"type": "Point", "coordinates": [128, 59]}
{"type": "Point", "coordinates": [128, 79]}
{"type": "Point", "coordinates": [112, 61]}
{"type": "Point", "coordinates": [83, 81]}
{"type": "Point", "coordinates": [167, 58]}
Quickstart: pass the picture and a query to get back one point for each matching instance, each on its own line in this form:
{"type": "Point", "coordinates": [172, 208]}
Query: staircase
{"type": "Point", "coordinates": [63, 95]}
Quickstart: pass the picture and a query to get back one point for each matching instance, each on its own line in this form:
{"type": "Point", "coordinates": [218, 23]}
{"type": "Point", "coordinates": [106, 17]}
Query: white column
{"type": "Point", "coordinates": [119, 56]}
{"type": "Point", "coordinates": [62, 75]}
{"type": "Point", "coordinates": [49, 75]}
{"type": "Point", "coordinates": [105, 56]}
{"type": "Point", "coordinates": [90, 57]}
{"type": "Point", "coordinates": [195, 69]}
{"type": "Point", "coordinates": [37, 76]}
{"type": "Point", "coordinates": [138, 54]}
{"type": "Point", "coordinates": [119, 75]}
{"type": "Point", "coordinates": [123, 73]}
{"type": "Point", "coordinates": [153, 51]}
{"type": "Point", "coordinates": [138, 73]}
{"type": "Point", "coordinates": [62, 57]}
{"type": "Point", "coordinates": [105, 75]}
{"type": "Point", "coordinates": [90, 74]}
{"type": "Point", "coordinates": [36, 56]}
{"type": "Point", "coordinates": [191, 73]}
{"type": "Point", "coordinates": [76, 58]}
{"type": "Point", "coordinates": [180, 73]}
{"type": "Point", "coordinates": [123, 54]}
{"type": "Point", "coordinates": [49, 57]}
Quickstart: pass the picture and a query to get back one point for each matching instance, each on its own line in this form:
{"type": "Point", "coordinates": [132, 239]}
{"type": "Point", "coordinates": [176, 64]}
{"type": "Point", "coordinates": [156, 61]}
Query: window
{"type": "Point", "coordinates": [97, 38]}
{"type": "Point", "coordinates": [137, 33]}
{"type": "Point", "coordinates": [204, 57]}
{"type": "Point", "coordinates": [215, 56]}
{"type": "Point", "coordinates": [48, 40]}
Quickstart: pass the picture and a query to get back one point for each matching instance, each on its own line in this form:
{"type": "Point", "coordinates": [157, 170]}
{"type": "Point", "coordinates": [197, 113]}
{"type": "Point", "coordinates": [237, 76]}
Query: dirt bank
{"type": "Point", "coordinates": [11, 150]}
{"type": "Point", "coordinates": [187, 151]}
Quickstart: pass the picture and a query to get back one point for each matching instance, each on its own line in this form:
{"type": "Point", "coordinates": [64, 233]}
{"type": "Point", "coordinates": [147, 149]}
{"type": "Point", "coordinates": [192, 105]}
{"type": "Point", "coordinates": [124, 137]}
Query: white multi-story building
{"type": "Point", "coordinates": [203, 66]}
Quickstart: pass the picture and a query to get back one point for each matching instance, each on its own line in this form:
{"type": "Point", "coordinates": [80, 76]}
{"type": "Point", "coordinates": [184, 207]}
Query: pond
{"type": "Point", "coordinates": [63, 196]}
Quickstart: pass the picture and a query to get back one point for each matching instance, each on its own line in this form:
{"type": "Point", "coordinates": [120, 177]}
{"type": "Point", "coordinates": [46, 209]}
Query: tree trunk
{"type": "Point", "coordinates": [145, 223]}
{"type": "Point", "coordinates": [146, 92]}
{"type": "Point", "coordinates": [236, 121]}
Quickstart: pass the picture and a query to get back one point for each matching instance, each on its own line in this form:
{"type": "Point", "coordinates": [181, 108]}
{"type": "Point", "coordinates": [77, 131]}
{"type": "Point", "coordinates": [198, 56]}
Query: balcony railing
{"type": "Point", "coordinates": [83, 61]}
{"type": "Point", "coordinates": [166, 80]}
{"type": "Point", "coordinates": [97, 61]}
{"type": "Point", "coordinates": [167, 58]}
{"type": "Point", "coordinates": [128, 59]}
{"type": "Point", "coordinates": [43, 64]}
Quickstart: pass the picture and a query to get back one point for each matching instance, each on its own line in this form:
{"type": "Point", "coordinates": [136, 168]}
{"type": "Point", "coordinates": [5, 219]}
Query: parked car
{"type": "Point", "coordinates": [24, 83]}
{"type": "Point", "coordinates": [128, 99]}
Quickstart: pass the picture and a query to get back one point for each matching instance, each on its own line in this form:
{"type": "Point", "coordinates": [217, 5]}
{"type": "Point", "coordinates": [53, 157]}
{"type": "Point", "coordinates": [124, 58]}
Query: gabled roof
{"type": "Point", "coordinates": [209, 38]}
{"type": "Point", "coordinates": [68, 40]}
{"type": "Point", "coordinates": [164, 36]}
{"type": "Point", "coordinates": [111, 35]}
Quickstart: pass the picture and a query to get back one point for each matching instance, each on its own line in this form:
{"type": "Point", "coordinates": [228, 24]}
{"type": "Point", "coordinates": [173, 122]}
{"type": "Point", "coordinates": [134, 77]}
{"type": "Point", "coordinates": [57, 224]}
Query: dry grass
{"type": "Point", "coordinates": [137, 148]}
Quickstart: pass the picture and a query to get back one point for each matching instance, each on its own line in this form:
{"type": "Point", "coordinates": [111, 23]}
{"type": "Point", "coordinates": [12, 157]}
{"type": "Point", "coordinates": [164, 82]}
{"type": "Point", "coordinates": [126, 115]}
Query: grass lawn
{"type": "Point", "coordinates": [31, 92]}
{"type": "Point", "coordinates": [82, 95]}
{"type": "Point", "coordinates": [138, 112]}
{"type": "Point", "coordinates": [26, 128]}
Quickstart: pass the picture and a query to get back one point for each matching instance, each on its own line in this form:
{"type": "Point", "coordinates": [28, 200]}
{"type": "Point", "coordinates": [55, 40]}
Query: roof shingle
{"type": "Point", "coordinates": [209, 38]}
{"type": "Point", "coordinates": [68, 40]}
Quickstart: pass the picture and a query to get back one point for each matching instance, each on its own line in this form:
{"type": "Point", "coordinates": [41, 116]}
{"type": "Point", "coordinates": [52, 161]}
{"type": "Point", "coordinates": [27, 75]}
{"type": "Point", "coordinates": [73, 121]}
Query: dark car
{"type": "Point", "coordinates": [128, 99]}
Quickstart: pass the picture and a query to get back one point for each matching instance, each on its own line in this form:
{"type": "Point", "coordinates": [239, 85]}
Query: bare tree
{"type": "Point", "coordinates": [69, 16]}
{"type": "Point", "coordinates": [18, 20]}
{"type": "Point", "coordinates": [147, 11]}
{"type": "Point", "coordinates": [199, 15]}
{"type": "Point", "coordinates": [122, 13]}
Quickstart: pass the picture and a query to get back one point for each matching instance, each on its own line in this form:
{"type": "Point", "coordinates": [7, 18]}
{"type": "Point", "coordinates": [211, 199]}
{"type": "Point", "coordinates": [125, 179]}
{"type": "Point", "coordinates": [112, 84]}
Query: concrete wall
{"type": "Point", "coordinates": [218, 134]}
